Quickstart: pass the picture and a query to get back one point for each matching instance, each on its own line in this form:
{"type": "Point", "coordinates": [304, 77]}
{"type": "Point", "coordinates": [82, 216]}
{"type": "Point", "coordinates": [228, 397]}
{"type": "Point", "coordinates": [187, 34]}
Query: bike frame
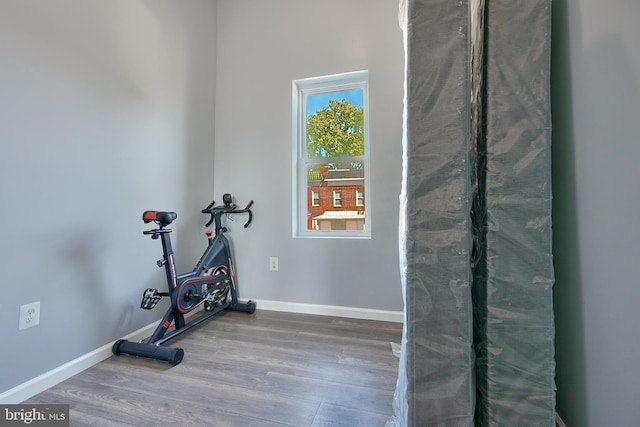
{"type": "Point", "coordinates": [212, 283]}
{"type": "Point", "coordinates": [217, 254]}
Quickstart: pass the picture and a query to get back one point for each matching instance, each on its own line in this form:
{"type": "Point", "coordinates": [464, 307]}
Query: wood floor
{"type": "Point", "coordinates": [264, 369]}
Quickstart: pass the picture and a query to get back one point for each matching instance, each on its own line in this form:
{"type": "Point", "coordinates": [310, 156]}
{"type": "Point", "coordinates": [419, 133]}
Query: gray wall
{"type": "Point", "coordinates": [103, 106]}
{"type": "Point", "coordinates": [262, 47]}
{"type": "Point", "coordinates": [596, 102]}
{"type": "Point", "coordinates": [105, 110]}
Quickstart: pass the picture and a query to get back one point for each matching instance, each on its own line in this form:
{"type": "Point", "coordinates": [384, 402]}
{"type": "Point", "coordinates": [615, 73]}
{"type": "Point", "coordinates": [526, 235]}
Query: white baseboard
{"type": "Point", "coordinates": [47, 380]}
{"type": "Point", "coordinates": [331, 310]}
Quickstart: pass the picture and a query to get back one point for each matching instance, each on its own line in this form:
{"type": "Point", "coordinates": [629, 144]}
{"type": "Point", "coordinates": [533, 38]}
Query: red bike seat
{"type": "Point", "coordinates": [164, 218]}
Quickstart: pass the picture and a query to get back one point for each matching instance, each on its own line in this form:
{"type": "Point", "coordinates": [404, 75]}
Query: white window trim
{"type": "Point", "coordinates": [313, 198]}
{"type": "Point", "coordinates": [358, 203]}
{"type": "Point", "coordinates": [301, 89]}
{"type": "Point", "coordinates": [335, 193]}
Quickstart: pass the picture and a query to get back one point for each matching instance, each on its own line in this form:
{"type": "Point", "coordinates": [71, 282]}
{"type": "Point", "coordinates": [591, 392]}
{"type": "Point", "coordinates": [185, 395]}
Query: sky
{"type": "Point", "coordinates": [321, 100]}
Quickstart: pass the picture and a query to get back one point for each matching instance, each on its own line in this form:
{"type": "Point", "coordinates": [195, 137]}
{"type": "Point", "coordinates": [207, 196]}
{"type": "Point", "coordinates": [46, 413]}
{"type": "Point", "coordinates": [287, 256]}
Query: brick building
{"type": "Point", "coordinates": [335, 199]}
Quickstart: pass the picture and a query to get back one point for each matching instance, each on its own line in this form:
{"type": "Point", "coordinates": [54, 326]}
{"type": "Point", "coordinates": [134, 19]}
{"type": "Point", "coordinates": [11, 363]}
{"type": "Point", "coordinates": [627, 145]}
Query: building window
{"type": "Point", "coordinates": [331, 156]}
{"type": "Point", "coordinates": [315, 197]}
{"type": "Point", "coordinates": [337, 199]}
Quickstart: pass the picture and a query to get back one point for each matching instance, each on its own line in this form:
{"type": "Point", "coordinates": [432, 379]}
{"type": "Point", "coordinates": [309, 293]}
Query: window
{"type": "Point", "coordinates": [331, 156]}
{"type": "Point", "coordinates": [337, 199]}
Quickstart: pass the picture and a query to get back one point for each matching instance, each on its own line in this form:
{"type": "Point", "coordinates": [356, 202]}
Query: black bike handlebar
{"type": "Point", "coordinates": [247, 209]}
{"type": "Point", "coordinates": [213, 202]}
{"type": "Point", "coordinates": [231, 209]}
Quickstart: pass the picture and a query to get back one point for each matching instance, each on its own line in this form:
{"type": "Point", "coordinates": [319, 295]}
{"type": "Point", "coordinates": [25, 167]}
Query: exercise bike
{"type": "Point", "coordinates": [211, 286]}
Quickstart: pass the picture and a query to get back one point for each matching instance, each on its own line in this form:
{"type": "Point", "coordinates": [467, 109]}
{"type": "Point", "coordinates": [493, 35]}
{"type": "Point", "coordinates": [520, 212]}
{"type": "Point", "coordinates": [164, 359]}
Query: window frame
{"type": "Point", "coordinates": [303, 88]}
{"type": "Point", "coordinates": [313, 198]}
{"type": "Point", "coordinates": [358, 198]}
{"type": "Point", "coordinates": [337, 198]}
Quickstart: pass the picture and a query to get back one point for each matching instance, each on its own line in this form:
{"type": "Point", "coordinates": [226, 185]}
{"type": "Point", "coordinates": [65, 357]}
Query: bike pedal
{"type": "Point", "coordinates": [150, 298]}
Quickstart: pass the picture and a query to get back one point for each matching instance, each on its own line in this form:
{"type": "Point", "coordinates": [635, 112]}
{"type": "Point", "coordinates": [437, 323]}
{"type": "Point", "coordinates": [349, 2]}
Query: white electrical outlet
{"type": "Point", "coordinates": [273, 263]}
{"type": "Point", "coordinates": [29, 315]}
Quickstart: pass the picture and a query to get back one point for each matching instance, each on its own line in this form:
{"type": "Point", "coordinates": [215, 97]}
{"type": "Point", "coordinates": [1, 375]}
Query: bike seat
{"type": "Point", "coordinates": [164, 218]}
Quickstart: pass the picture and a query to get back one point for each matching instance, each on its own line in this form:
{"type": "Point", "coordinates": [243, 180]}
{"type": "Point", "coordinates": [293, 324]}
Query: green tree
{"type": "Point", "coordinates": [336, 131]}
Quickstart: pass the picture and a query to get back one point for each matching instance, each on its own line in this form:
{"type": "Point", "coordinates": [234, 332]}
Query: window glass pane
{"type": "Point", "coordinates": [315, 198]}
{"type": "Point", "coordinates": [335, 124]}
{"type": "Point", "coordinates": [330, 150]}
{"type": "Point", "coordinates": [336, 196]}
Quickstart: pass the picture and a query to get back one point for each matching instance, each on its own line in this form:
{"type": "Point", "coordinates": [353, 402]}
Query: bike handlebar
{"type": "Point", "coordinates": [231, 209]}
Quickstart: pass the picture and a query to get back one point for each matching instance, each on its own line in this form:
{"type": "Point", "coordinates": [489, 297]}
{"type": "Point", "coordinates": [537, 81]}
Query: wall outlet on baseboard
{"type": "Point", "coordinates": [29, 315]}
{"type": "Point", "coordinates": [273, 263]}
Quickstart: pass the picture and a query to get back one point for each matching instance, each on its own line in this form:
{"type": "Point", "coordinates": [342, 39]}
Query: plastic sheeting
{"type": "Point", "coordinates": [435, 386]}
{"type": "Point", "coordinates": [475, 223]}
{"type": "Point", "coordinates": [520, 363]}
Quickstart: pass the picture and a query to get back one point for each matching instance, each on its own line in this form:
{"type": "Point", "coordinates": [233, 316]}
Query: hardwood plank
{"type": "Point", "coordinates": [204, 390]}
{"type": "Point", "coordinates": [266, 369]}
{"type": "Point", "coordinates": [338, 416]}
{"type": "Point", "coordinates": [356, 397]}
